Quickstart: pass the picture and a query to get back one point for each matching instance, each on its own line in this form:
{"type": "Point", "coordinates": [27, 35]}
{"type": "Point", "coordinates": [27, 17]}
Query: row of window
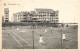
{"type": "Point", "coordinates": [47, 18]}
{"type": "Point", "coordinates": [39, 15]}
{"type": "Point", "coordinates": [37, 18]}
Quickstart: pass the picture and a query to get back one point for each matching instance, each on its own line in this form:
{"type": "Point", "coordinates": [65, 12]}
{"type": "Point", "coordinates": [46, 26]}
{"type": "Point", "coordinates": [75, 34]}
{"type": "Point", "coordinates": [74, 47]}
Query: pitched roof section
{"type": "Point", "coordinates": [45, 10]}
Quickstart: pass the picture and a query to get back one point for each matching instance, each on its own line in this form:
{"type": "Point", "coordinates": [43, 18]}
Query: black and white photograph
{"type": "Point", "coordinates": [35, 24]}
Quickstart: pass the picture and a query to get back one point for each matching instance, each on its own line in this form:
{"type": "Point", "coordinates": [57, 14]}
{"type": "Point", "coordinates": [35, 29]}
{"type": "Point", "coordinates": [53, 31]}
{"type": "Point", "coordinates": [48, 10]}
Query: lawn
{"type": "Point", "coordinates": [23, 38]}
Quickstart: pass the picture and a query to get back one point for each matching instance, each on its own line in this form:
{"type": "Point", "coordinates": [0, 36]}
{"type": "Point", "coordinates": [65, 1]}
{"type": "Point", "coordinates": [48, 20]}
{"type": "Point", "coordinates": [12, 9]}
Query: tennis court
{"type": "Point", "coordinates": [23, 37]}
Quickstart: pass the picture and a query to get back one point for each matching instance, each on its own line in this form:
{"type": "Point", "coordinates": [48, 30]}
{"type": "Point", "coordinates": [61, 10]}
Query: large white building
{"type": "Point", "coordinates": [38, 15]}
{"type": "Point", "coordinates": [48, 15]}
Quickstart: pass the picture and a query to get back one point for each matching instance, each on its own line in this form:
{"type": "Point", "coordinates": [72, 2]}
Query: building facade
{"type": "Point", "coordinates": [38, 15]}
{"type": "Point", "coordinates": [48, 15]}
{"type": "Point", "coordinates": [6, 15]}
{"type": "Point", "coordinates": [2, 18]}
{"type": "Point", "coordinates": [23, 16]}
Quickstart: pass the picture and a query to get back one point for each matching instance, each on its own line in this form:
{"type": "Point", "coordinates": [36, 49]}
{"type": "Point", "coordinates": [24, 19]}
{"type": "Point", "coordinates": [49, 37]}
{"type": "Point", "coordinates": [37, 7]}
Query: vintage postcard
{"type": "Point", "coordinates": [39, 25]}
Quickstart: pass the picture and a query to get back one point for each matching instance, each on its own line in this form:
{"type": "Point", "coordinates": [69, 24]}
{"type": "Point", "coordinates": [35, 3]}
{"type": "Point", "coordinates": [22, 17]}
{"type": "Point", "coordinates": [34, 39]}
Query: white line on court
{"type": "Point", "coordinates": [17, 41]}
{"type": "Point", "coordinates": [22, 39]}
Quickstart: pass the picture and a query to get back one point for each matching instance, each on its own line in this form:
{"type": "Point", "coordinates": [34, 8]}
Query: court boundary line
{"type": "Point", "coordinates": [17, 41]}
{"type": "Point", "coordinates": [22, 39]}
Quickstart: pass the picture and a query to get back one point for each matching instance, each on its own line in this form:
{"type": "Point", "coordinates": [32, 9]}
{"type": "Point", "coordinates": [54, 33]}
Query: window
{"type": "Point", "coordinates": [6, 18]}
{"type": "Point", "coordinates": [6, 13]}
{"type": "Point", "coordinates": [24, 15]}
{"type": "Point", "coordinates": [24, 18]}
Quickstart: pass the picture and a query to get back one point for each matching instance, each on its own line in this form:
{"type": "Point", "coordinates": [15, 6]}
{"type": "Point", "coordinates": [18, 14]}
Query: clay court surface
{"type": "Point", "coordinates": [23, 39]}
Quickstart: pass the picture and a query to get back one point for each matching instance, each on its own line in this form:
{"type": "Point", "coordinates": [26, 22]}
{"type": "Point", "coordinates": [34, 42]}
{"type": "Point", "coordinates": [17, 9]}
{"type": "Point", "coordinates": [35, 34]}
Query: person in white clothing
{"type": "Point", "coordinates": [45, 30]}
{"type": "Point", "coordinates": [17, 29]}
{"type": "Point", "coordinates": [63, 37]}
{"type": "Point", "coordinates": [41, 40]}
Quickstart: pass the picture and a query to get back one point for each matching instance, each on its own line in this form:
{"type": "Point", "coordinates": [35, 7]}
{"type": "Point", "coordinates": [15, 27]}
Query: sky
{"type": "Point", "coordinates": [68, 10]}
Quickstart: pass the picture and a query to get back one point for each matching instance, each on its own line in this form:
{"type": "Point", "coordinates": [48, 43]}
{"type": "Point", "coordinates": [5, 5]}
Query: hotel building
{"type": "Point", "coordinates": [38, 15]}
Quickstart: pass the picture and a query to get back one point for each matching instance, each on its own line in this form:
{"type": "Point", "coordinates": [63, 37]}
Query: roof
{"type": "Point", "coordinates": [45, 10]}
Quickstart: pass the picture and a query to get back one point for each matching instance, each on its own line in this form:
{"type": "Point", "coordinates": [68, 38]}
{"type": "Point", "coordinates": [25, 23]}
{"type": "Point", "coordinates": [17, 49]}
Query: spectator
{"type": "Point", "coordinates": [63, 37]}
